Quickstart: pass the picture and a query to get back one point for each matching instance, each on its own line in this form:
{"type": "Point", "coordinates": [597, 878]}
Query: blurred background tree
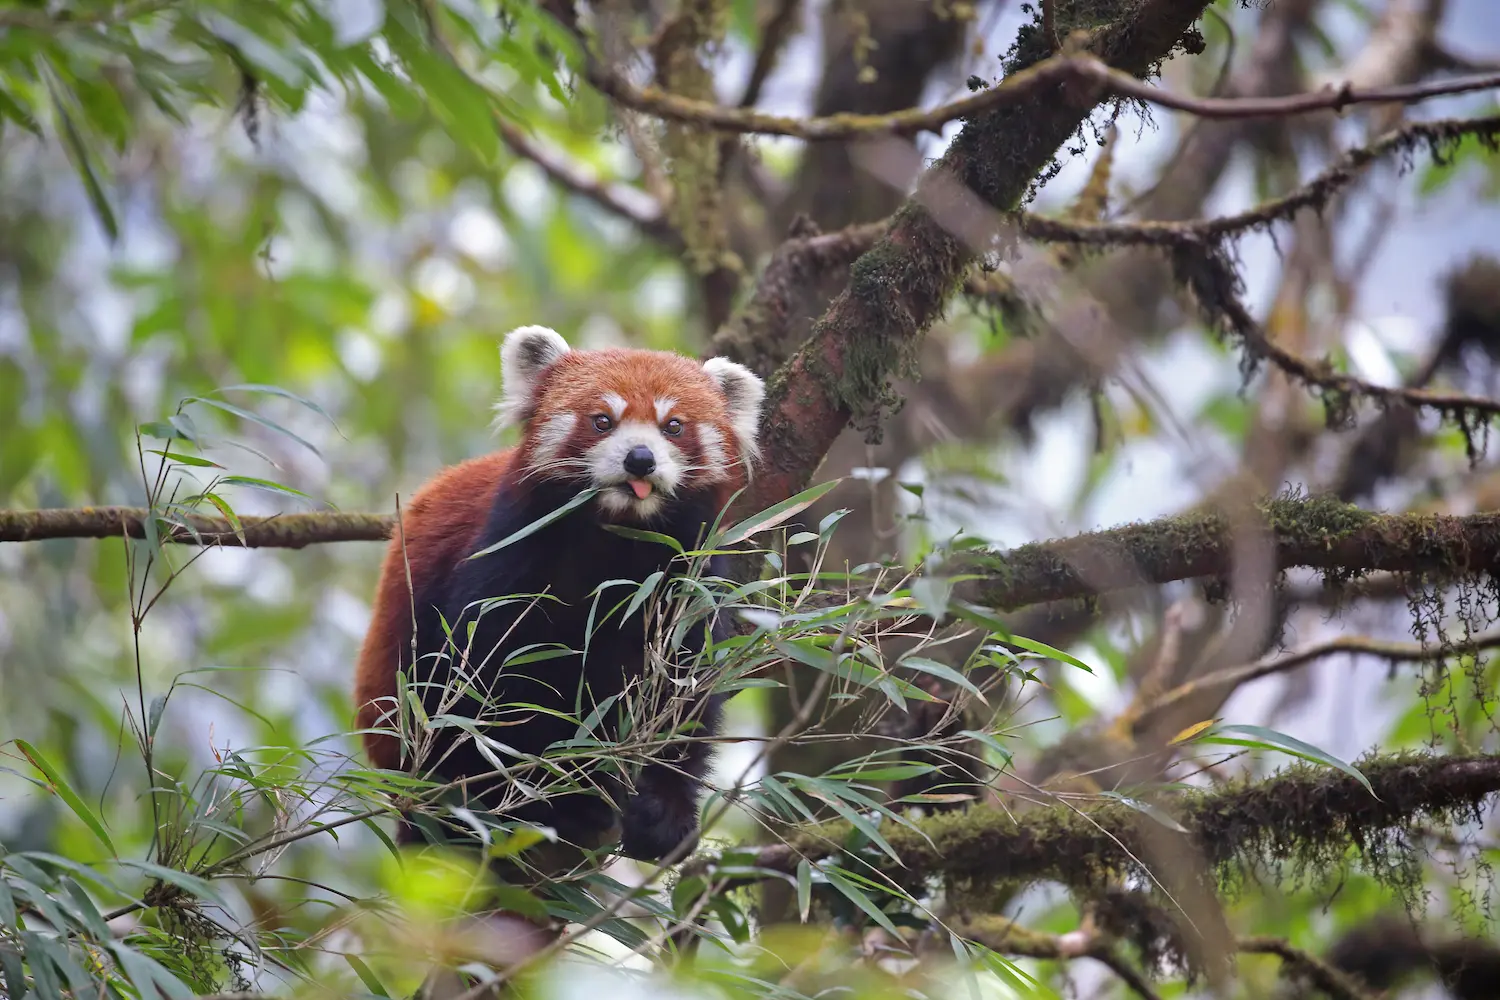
{"type": "Point", "coordinates": [353, 200]}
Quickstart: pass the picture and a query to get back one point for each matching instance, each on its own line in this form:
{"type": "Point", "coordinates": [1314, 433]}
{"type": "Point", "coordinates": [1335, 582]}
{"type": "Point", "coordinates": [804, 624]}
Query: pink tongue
{"type": "Point", "coordinates": [641, 488]}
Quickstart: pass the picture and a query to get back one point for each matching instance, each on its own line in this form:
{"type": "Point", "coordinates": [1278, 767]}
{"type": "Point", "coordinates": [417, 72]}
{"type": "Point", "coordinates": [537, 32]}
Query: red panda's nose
{"type": "Point", "coordinates": [639, 461]}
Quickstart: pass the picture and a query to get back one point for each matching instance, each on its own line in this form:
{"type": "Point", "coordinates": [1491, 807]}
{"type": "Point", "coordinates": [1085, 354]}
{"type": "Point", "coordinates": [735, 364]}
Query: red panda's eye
{"type": "Point", "coordinates": [602, 423]}
{"type": "Point", "coordinates": [672, 427]}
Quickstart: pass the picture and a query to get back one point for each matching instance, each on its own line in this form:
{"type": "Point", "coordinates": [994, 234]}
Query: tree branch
{"type": "Point", "coordinates": [1316, 971]}
{"type": "Point", "coordinates": [279, 531]}
{"type": "Point", "coordinates": [1216, 687]}
{"type": "Point", "coordinates": [1082, 73]}
{"type": "Point", "coordinates": [1317, 533]}
{"type": "Point", "coordinates": [1296, 811]}
{"type": "Point", "coordinates": [631, 204]}
{"type": "Point", "coordinates": [897, 289]}
{"type": "Point", "coordinates": [1216, 288]}
{"type": "Point", "coordinates": [770, 327]}
{"type": "Point", "coordinates": [1008, 937]}
{"type": "Point", "coordinates": [1315, 194]}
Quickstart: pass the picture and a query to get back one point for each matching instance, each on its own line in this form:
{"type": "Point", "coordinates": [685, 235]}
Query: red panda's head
{"type": "Point", "coordinates": [644, 427]}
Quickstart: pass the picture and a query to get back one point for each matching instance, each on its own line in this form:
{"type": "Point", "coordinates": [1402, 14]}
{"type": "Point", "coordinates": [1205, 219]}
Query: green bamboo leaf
{"type": "Point", "coordinates": [366, 975]}
{"type": "Point", "coordinates": [804, 889]}
{"type": "Point", "coordinates": [980, 616]}
{"type": "Point", "coordinates": [891, 772]}
{"type": "Point", "coordinates": [517, 841]}
{"type": "Point", "coordinates": [43, 973]}
{"type": "Point", "coordinates": [151, 980]}
{"type": "Point", "coordinates": [775, 514]}
{"type": "Point", "coordinates": [1050, 652]}
{"type": "Point", "coordinates": [276, 390]}
{"type": "Point", "coordinates": [228, 513]}
{"type": "Point", "coordinates": [12, 109]}
{"type": "Point", "coordinates": [261, 484]}
{"type": "Point", "coordinates": [831, 793]}
{"type": "Point", "coordinates": [256, 418]}
{"type": "Point", "coordinates": [192, 460]}
{"type": "Point", "coordinates": [1261, 738]}
{"type": "Point", "coordinates": [645, 590]}
{"type": "Point", "coordinates": [65, 792]}
{"type": "Point", "coordinates": [943, 672]}
{"type": "Point", "coordinates": [83, 162]}
{"type": "Point", "coordinates": [16, 986]}
{"type": "Point", "coordinates": [88, 914]}
{"type": "Point", "coordinates": [851, 892]}
{"type": "Point", "coordinates": [642, 535]}
{"type": "Point", "coordinates": [193, 885]}
{"type": "Point", "coordinates": [540, 523]}
{"type": "Point", "coordinates": [1155, 812]}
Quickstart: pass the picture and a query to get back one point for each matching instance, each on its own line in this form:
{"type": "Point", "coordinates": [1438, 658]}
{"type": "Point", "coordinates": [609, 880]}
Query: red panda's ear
{"type": "Point", "coordinates": [526, 352]}
{"type": "Point", "coordinates": [744, 392]}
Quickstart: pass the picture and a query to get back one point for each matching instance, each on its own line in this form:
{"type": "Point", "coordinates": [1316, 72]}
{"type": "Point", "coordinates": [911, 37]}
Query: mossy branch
{"type": "Point", "coordinates": [1317, 533]}
{"type": "Point", "coordinates": [1309, 813]}
{"type": "Point", "coordinates": [895, 291]}
{"type": "Point", "coordinates": [1440, 137]}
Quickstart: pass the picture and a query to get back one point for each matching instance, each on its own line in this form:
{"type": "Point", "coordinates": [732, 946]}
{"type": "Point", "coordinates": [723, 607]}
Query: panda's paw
{"type": "Point", "coordinates": [655, 823]}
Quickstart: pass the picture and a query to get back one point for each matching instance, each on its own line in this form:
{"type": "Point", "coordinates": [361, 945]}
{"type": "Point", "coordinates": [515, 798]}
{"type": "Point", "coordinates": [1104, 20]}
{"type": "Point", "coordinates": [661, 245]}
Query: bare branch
{"type": "Point", "coordinates": [279, 531]}
{"type": "Point", "coordinates": [630, 204]}
{"type": "Point", "coordinates": [1216, 687]}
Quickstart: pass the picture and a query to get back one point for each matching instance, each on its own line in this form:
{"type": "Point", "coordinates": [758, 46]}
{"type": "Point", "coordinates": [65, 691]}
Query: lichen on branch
{"type": "Point", "coordinates": [1319, 533]}
{"type": "Point", "coordinates": [1309, 815]}
{"type": "Point", "coordinates": [900, 286]}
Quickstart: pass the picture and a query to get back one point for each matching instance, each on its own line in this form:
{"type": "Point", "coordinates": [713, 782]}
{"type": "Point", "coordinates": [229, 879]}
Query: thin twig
{"type": "Point", "coordinates": [629, 203]}
{"type": "Point", "coordinates": [1231, 678]}
{"type": "Point", "coordinates": [1315, 194]}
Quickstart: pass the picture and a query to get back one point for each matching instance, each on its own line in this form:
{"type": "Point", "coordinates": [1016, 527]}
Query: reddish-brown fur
{"type": "Point", "coordinates": [441, 524]}
{"type": "Point", "coordinates": [437, 530]}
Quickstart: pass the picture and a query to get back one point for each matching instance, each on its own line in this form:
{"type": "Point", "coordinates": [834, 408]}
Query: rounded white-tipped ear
{"type": "Point", "coordinates": [524, 355]}
{"type": "Point", "coordinates": [744, 391]}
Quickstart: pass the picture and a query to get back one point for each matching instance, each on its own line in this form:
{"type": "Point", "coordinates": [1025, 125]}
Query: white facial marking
{"type": "Point", "coordinates": [606, 462]}
{"type": "Point", "coordinates": [744, 392]}
{"type": "Point", "coordinates": [525, 353]}
{"type": "Point", "coordinates": [715, 457]}
{"type": "Point", "coordinates": [615, 404]}
{"type": "Point", "coordinates": [551, 436]}
{"type": "Point", "coordinates": [663, 408]}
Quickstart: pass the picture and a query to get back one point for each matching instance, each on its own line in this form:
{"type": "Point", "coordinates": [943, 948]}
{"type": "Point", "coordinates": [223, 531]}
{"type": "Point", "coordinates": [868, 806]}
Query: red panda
{"type": "Point", "coordinates": [666, 441]}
